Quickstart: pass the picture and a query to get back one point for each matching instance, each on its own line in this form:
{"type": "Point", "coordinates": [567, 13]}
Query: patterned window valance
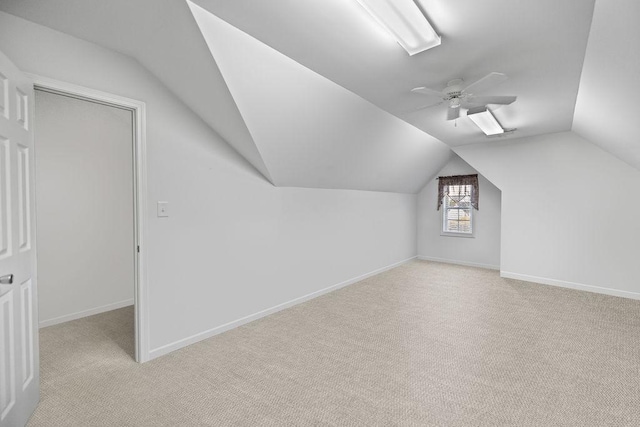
{"type": "Point", "coordinates": [445, 181]}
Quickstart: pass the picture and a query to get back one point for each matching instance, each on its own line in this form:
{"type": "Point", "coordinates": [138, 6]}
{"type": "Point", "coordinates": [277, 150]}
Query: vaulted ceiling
{"type": "Point", "coordinates": [312, 132]}
{"type": "Point", "coordinates": [316, 94]}
{"type": "Point", "coordinates": [607, 109]}
{"type": "Point", "coordinates": [539, 44]}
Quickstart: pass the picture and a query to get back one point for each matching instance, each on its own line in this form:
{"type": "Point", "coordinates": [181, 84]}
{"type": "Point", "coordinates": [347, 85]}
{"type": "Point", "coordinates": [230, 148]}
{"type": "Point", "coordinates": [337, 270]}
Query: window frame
{"type": "Point", "coordinates": [443, 219]}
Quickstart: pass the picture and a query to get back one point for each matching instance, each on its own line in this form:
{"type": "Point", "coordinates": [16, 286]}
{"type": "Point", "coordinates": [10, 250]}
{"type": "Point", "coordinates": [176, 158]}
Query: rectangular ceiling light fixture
{"type": "Point", "coordinates": [405, 21]}
{"type": "Point", "coordinates": [483, 118]}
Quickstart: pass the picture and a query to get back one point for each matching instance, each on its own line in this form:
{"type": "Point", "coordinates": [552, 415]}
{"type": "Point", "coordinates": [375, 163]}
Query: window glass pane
{"type": "Point", "coordinates": [453, 214]}
{"type": "Point", "coordinates": [464, 226]}
{"type": "Point", "coordinates": [458, 226]}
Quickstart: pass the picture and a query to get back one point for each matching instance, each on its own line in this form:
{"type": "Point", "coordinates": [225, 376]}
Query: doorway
{"type": "Point", "coordinates": [89, 154]}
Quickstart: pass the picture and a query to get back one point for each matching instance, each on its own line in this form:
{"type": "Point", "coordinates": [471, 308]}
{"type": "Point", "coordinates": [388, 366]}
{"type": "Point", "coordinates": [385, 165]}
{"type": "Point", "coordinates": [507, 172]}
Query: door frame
{"type": "Point", "coordinates": [138, 108]}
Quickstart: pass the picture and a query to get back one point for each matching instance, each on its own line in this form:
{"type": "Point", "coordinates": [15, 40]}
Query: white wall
{"type": "Point", "coordinates": [234, 244]}
{"type": "Point", "coordinates": [483, 249]}
{"type": "Point", "coordinates": [84, 182]}
{"type": "Point", "coordinates": [569, 211]}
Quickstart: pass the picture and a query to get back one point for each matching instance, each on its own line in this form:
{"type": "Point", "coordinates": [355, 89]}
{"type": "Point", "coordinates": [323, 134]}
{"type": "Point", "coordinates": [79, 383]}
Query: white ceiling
{"type": "Point", "coordinates": [607, 110]}
{"type": "Point", "coordinates": [540, 44]}
{"type": "Point", "coordinates": [312, 132]}
{"type": "Point", "coordinates": [163, 36]}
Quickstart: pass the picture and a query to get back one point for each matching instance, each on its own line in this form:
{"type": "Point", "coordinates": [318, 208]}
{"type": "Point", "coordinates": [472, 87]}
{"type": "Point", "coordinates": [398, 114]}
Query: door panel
{"type": "Point", "coordinates": [7, 356]}
{"type": "Point", "coordinates": [5, 199]}
{"type": "Point", "coordinates": [22, 108]}
{"type": "Point", "coordinates": [4, 96]}
{"type": "Point", "coordinates": [19, 364]}
{"type": "Point", "coordinates": [27, 331]}
{"type": "Point", "coordinates": [24, 209]}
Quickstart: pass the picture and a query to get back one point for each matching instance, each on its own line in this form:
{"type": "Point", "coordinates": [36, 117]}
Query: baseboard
{"type": "Point", "coordinates": [168, 348]}
{"type": "Point", "coordinates": [453, 261]}
{"type": "Point", "coordinates": [85, 313]}
{"type": "Point", "coordinates": [570, 285]}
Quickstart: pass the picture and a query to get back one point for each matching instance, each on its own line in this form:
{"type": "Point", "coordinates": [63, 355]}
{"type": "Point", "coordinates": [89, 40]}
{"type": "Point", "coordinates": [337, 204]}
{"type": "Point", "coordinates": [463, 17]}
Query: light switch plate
{"type": "Point", "coordinates": [163, 209]}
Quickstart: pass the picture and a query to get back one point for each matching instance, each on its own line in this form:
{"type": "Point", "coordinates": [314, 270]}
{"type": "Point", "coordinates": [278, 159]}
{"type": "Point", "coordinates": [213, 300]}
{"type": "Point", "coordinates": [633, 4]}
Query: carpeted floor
{"type": "Point", "coordinates": [424, 344]}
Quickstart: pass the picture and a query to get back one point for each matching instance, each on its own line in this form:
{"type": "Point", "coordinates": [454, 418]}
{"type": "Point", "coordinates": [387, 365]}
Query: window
{"type": "Point", "coordinates": [457, 215]}
{"type": "Point", "coordinates": [459, 194]}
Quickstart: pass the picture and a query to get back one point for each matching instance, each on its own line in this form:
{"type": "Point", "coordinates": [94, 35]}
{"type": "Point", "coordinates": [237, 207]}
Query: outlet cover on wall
{"type": "Point", "coordinates": [163, 209]}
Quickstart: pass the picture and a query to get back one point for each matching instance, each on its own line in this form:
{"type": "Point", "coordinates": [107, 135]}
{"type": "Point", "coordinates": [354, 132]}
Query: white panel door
{"type": "Point", "coordinates": [19, 364]}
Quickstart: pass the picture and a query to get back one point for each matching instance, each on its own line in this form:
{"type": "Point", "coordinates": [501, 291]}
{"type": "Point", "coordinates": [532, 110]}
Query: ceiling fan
{"type": "Point", "coordinates": [458, 95]}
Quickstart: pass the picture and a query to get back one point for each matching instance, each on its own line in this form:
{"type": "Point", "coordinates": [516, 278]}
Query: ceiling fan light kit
{"type": "Point", "coordinates": [486, 121]}
{"type": "Point", "coordinates": [507, 132]}
{"type": "Point", "coordinates": [405, 21]}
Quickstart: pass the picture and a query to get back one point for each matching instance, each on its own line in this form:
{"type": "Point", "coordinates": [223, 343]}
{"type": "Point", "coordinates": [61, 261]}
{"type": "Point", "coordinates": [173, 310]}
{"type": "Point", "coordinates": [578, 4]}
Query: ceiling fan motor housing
{"type": "Point", "coordinates": [453, 93]}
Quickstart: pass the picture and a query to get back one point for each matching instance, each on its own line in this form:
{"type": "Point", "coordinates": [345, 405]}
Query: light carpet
{"type": "Point", "coordinates": [424, 344]}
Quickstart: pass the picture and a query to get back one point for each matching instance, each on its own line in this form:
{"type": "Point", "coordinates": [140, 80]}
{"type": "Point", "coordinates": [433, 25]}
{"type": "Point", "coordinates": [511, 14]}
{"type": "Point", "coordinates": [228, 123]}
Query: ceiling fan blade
{"type": "Point", "coordinates": [422, 107]}
{"type": "Point", "coordinates": [426, 91]}
{"type": "Point", "coordinates": [429, 106]}
{"type": "Point", "coordinates": [453, 113]}
{"type": "Point", "coordinates": [486, 82]}
{"type": "Point", "coordinates": [486, 100]}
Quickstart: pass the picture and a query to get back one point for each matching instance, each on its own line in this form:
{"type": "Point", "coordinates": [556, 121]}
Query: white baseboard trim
{"type": "Point", "coordinates": [453, 261]}
{"type": "Point", "coordinates": [168, 348]}
{"type": "Point", "coordinates": [84, 313]}
{"type": "Point", "coordinates": [570, 285]}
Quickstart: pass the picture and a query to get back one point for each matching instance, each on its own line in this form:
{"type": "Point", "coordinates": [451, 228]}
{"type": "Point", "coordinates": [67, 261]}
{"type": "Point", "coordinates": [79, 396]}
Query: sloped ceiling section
{"type": "Point", "coordinates": [163, 37]}
{"type": "Point", "coordinates": [312, 132]}
{"type": "Point", "coordinates": [608, 109]}
{"type": "Point", "coordinates": [539, 44]}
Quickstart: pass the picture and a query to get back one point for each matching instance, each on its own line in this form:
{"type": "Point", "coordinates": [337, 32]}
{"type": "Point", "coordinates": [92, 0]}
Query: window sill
{"type": "Point", "coordinates": [465, 235]}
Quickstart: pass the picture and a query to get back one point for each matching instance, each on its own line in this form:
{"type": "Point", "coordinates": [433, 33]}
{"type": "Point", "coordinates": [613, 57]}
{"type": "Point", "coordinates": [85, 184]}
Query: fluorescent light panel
{"type": "Point", "coordinates": [485, 121]}
{"type": "Point", "coordinates": [405, 21]}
